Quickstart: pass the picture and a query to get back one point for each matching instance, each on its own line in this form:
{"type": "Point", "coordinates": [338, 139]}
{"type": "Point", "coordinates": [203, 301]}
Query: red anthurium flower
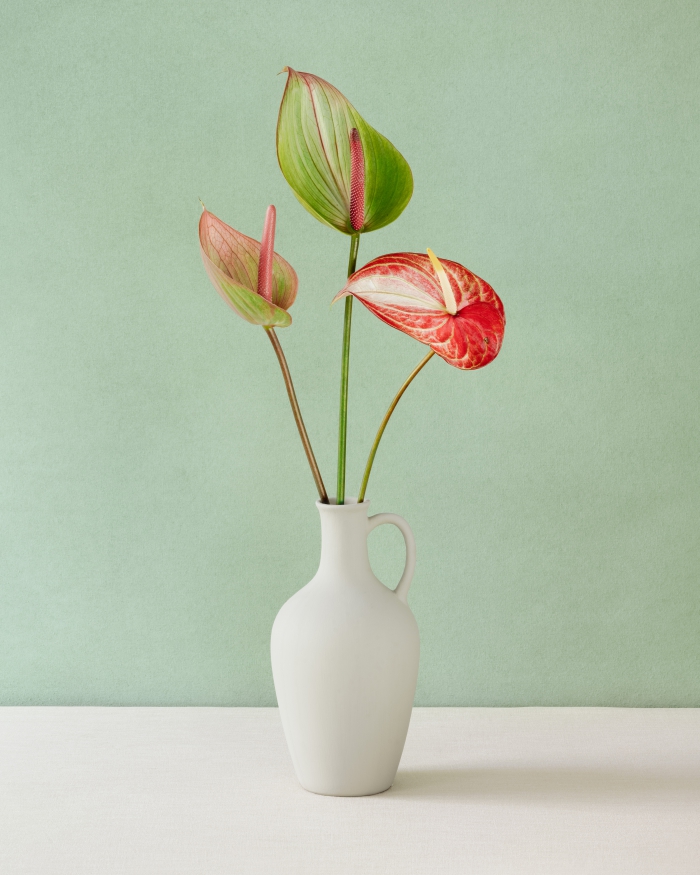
{"type": "Point", "coordinates": [436, 301]}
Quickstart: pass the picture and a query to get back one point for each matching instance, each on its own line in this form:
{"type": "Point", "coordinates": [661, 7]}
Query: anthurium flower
{"type": "Point", "coordinates": [251, 277]}
{"type": "Point", "coordinates": [331, 158]}
{"type": "Point", "coordinates": [436, 301]}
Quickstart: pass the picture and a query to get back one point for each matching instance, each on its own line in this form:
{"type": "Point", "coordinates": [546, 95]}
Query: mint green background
{"type": "Point", "coordinates": [156, 509]}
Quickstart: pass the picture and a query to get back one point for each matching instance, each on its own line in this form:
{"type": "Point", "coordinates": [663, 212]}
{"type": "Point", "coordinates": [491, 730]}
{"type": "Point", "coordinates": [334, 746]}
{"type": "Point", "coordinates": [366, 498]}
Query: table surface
{"type": "Point", "coordinates": [204, 791]}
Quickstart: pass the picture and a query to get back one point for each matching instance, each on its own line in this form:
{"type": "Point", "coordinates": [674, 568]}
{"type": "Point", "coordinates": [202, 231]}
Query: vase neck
{"type": "Point", "coordinates": [344, 530]}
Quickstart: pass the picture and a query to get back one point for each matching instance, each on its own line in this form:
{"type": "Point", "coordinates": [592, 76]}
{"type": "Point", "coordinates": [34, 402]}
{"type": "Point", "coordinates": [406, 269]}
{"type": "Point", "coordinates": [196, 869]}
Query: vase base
{"type": "Point", "coordinates": [349, 794]}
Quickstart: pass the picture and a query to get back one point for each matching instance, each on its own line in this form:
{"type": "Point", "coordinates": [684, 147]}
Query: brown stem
{"type": "Point", "coordinates": [274, 340]}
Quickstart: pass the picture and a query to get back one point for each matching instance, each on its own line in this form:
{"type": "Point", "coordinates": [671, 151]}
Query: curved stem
{"type": "Point", "coordinates": [274, 340]}
{"type": "Point", "coordinates": [344, 377]}
{"type": "Point", "coordinates": [373, 452]}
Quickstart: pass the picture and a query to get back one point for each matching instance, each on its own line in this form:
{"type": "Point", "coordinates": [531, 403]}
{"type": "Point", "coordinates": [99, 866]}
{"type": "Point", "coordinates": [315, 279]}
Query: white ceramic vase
{"type": "Point", "coordinates": [345, 661]}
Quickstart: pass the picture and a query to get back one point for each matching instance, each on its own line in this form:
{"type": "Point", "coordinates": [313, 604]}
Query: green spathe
{"type": "Point", "coordinates": [313, 149]}
{"type": "Point", "coordinates": [252, 307]}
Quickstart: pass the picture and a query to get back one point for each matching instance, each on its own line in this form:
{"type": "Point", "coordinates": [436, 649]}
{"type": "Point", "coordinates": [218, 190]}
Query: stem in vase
{"type": "Point", "coordinates": [344, 377]}
{"type": "Point", "coordinates": [274, 340]}
{"type": "Point", "coordinates": [373, 452]}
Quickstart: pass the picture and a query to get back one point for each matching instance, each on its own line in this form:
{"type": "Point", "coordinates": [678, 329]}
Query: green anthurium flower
{"type": "Point", "coordinates": [334, 160]}
{"type": "Point", "coordinates": [252, 278]}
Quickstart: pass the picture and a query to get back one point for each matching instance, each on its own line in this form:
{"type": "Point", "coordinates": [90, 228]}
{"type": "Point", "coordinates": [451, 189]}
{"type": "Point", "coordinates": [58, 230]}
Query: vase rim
{"type": "Point", "coordinates": [351, 503]}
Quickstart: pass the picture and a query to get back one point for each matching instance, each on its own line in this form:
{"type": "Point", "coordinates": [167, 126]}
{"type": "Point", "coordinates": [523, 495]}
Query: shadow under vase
{"type": "Point", "coordinates": [545, 785]}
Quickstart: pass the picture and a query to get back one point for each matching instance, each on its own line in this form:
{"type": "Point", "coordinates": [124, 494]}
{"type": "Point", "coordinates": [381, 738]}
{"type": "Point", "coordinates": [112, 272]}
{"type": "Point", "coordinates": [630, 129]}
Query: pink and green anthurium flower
{"type": "Point", "coordinates": [251, 277]}
{"type": "Point", "coordinates": [436, 301]}
{"type": "Point", "coordinates": [344, 172]}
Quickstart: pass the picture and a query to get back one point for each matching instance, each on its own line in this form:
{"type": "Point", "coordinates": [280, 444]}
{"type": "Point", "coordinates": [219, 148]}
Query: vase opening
{"type": "Point", "coordinates": [349, 502]}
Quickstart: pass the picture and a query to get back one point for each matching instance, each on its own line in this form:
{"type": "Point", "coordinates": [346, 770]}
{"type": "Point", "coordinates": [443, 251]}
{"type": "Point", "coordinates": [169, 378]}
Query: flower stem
{"type": "Point", "coordinates": [344, 376]}
{"type": "Point", "coordinates": [373, 452]}
{"type": "Point", "coordinates": [274, 340]}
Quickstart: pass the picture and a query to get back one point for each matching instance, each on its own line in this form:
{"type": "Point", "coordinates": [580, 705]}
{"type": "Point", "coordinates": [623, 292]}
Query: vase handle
{"type": "Point", "coordinates": [380, 519]}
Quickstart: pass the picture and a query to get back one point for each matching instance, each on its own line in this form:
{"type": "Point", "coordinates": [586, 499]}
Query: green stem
{"type": "Point", "coordinates": [344, 377]}
{"type": "Point", "coordinates": [373, 452]}
{"type": "Point", "coordinates": [274, 340]}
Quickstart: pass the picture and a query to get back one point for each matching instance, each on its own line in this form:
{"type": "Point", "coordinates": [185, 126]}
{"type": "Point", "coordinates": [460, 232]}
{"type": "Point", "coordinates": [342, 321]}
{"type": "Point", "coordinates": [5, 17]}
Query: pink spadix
{"type": "Point", "coordinates": [267, 250]}
{"type": "Point", "coordinates": [357, 181]}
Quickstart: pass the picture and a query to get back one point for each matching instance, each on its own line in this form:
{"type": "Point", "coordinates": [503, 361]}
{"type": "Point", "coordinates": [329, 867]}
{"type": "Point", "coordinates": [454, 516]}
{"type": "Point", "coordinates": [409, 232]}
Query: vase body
{"type": "Point", "coordinates": [345, 654]}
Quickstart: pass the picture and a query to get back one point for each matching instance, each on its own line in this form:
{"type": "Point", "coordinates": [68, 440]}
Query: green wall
{"type": "Point", "coordinates": [155, 506]}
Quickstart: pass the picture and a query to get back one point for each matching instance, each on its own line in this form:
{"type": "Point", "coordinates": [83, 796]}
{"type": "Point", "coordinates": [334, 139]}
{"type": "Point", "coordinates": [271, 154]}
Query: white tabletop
{"type": "Point", "coordinates": [205, 791]}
